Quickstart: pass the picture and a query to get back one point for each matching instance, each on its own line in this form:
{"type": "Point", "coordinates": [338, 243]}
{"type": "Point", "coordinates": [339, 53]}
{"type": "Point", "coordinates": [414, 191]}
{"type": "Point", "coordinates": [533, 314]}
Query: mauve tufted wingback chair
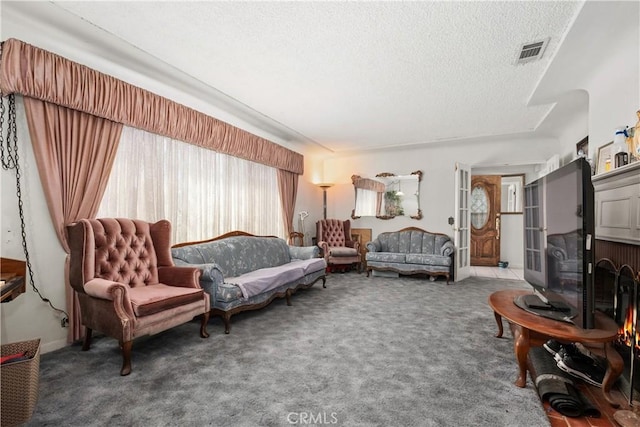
{"type": "Point", "coordinates": [127, 283]}
{"type": "Point", "coordinates": [334, 238]}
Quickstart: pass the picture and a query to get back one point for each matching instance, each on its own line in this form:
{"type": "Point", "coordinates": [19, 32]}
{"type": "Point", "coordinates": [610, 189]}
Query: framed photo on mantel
{"type": "Point", "coordinates": [604, 158]}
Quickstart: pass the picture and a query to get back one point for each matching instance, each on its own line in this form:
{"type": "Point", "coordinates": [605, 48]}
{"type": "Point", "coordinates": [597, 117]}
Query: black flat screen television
{"type": "Point", "coordinates": [558, 239]}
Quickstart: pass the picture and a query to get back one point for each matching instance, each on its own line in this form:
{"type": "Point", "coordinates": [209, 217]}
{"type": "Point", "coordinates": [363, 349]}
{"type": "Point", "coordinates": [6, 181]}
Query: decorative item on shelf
{"type": "Point", "coordinates": [604, 158]}
{"type": "Point", "coordinates": [582, 147]}
{"type": "Point", "coordinates": [619, 148]}
{"type": "Point", "coordinates": [633, 141]}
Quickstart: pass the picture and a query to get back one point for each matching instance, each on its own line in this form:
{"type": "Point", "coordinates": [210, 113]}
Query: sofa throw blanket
{"type": "Point", "coordinates": [265, 279]}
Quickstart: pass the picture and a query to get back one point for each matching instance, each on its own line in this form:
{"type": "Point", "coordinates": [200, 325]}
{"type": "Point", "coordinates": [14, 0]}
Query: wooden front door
{"type": "Point", "coordinates": [485, 220]}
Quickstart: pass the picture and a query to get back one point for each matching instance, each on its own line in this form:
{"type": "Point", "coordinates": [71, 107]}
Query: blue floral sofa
{"type": "Point", "coordinates": [241, 271]}
{"type": "Point", "coordinates": [411, 251]}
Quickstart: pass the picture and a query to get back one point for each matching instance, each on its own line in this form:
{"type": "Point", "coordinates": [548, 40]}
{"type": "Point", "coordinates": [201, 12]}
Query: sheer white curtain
{"type": "Point", "coordinates": [203, 193]}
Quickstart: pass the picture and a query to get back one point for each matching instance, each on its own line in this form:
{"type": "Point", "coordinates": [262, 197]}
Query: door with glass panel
{"type": "Point", "coordinates": [535, 263]}
{"type": "Point", "coordinates": [462, 266]}
{"type": "Point", "coordinates": [485, 219]}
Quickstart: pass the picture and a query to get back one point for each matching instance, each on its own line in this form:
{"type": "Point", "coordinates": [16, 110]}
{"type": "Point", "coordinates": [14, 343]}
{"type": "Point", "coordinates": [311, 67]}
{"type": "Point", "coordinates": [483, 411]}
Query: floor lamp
{"type": "Point", "coordinates": [324, 197]}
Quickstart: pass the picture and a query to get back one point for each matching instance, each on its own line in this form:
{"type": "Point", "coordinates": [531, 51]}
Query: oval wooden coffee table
{"type": "Point", "coordinates": [530, 330]}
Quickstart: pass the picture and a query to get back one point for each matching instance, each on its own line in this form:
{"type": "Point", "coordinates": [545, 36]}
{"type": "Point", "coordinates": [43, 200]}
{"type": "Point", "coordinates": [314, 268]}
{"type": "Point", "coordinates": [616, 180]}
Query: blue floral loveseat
{"type": "Point", "coordinates": [411, 251]}
{"type": "Point", "coordinates": [241, 271]}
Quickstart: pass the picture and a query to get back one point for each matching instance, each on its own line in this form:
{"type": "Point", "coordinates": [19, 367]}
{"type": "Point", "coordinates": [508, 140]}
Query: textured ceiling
{"type": "Point", "coordinates": [354, 75]}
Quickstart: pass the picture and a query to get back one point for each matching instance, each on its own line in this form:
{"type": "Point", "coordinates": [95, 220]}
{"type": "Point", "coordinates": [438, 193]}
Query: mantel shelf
{"type": "Point", "coordinates": [635, 166]}
{"type": "Point", "coordinates": [617, 204]}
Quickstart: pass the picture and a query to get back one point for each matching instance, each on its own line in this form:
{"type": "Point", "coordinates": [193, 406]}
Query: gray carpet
{"type": "Point", "coordinates": [362, 352]}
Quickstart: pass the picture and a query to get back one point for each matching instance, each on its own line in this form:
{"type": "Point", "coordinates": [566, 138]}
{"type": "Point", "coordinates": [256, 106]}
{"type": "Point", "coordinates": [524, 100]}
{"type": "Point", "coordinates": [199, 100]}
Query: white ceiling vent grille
{"type": "Point", "coordinates": [531, 51]}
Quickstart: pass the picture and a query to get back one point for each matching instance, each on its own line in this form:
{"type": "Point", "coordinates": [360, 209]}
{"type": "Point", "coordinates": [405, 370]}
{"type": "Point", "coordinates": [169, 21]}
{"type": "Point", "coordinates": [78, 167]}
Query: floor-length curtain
{"type": "Point", "coordinates": [74, 152]}
{"type": "Point", "coordinates": [288, 186]}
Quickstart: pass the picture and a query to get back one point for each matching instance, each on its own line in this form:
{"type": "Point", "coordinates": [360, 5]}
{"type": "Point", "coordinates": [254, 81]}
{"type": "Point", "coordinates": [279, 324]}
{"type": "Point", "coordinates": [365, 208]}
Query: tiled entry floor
{"type": "Point", "coordinates": [501, 273]}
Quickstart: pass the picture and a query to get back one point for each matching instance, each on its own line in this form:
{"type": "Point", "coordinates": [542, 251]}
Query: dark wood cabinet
{"type": "Point", "coordinates": [12, 278]}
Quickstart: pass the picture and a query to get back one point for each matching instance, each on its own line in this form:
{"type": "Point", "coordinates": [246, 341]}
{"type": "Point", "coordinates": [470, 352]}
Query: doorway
{"type": "Point", "coordinates": [484, 205]}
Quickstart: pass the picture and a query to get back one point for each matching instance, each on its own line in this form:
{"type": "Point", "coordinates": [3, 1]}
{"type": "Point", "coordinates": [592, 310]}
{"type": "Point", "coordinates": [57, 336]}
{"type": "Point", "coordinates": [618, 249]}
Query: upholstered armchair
{"type": "Point", "coordinates": [334, 239]}
{"type": "Point", "coordinates": [127, 283]}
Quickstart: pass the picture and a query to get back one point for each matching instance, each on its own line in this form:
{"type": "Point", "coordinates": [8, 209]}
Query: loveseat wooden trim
{"type": "Point", "coordinates": [409, 272]}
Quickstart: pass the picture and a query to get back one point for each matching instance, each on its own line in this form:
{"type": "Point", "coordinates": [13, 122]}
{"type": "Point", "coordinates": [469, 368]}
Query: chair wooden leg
{"type": "Point", "coordinates": [126, 357]}
{"type": "Point", "coordinates": [324, 282]}
{"type": "Point", "coordinates": [203, 325]}
{"type": "Point", "coordinates": [87, 339]}
{"type": "Point", "coordinates": [287, 296]}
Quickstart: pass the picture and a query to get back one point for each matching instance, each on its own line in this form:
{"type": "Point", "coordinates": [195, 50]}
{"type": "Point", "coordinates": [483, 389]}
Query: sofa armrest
{"type": "Point", "coordinates": [447, 248]}
{"type": "Point", "coordinates": [304, 252]}
{"type": "Point", "coordinates": [208, 271]}
{"type": "Point", "coordinates": [557, 252]}
{"type": "Point", "coordinates": [186, 277]}
{"type": "Point", "coordinates": [324, 249]}
{"type": "Point", "coordinates": [373, 246]}
{"type": "Point", "coordinates": [211, 276]}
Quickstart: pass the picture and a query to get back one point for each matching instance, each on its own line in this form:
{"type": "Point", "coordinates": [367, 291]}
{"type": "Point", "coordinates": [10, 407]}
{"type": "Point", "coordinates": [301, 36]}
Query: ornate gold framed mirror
{"type": "Point", "coordinates": [387, 195]}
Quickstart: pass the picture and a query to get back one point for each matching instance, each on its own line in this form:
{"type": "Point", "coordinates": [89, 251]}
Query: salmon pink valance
{"type": "Point", "coordinates": [37, 73]}
{"type": "Point", "coordinates": [367, 184]}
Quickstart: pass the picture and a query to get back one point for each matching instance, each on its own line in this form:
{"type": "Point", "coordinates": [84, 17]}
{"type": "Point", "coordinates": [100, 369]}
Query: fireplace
{"type": "Point", "coordinates": [617, 291]}
{"type": "Point", "coordinates": [629, 340]}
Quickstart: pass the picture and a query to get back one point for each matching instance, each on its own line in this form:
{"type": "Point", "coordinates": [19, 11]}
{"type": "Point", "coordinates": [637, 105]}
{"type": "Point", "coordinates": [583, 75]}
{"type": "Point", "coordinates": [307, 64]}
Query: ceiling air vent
{"type": "Point", "coordinates": [531, 51]}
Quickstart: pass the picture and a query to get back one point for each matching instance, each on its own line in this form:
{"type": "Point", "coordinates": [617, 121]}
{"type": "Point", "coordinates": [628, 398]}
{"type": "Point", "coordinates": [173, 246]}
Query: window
{"type": "Point", "coordinates": [202, 193]}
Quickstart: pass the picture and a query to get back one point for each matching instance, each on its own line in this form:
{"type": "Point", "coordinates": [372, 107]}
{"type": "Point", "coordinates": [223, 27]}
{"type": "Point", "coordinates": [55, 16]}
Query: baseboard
{"type": "Point", "coordinates": [53, 345]}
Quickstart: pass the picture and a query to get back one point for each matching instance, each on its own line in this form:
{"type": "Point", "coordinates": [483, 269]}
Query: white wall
{"type": "Point", "coordinates": [512, 240]}
{"type": "Point", "coordinates": [599, 56]}
{"type": "Point", "coordinates": [614, 83]}
{"type": "Point", "coordinates": [437, 162]}
{"type": "Point", "coordinates": [28, 316]}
